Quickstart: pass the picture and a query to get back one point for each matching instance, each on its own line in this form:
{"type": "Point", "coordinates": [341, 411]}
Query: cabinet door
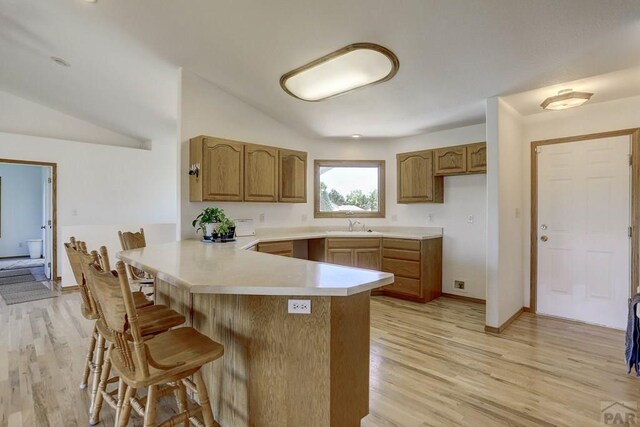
{"type": "Point", "coordinates": [415, 177]}
{"type": "Point", "coordinates": [283, 248]}
{"type": "Point", "coordinates": [367, 258]}
{"type": "Point", "coordinates": [222, 170]}
{"type": "Point", "coordinates": [477, 157]}
{"type": "Point", "coordinates": [451, 160]}
{"type": "Point", "coordinates": [340, 257]}
{"type": "Point", "coordinates": [292, 176]}
{"type": "Point", "coordinates": [260, 173]}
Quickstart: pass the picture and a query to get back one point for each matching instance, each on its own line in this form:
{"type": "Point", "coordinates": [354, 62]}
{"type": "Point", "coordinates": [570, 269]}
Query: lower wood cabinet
{"type": "Point", "coordinates": [361, 252]}
{"type": "Point", "coordinates": [282, 248]}
{"type": "Point", "coordinates": [417, 266]}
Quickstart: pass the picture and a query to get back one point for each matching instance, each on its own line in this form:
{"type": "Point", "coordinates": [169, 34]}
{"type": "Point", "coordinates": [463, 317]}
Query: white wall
{"type": "Point", "coordinates": [505, 205]}
{"type": "Point", "coordinates": [24, 117]}
{"type": "Point", "coordinates": [464, 243]}
{"type": "Point", "coordinates": [21, 208]}
{"type": "Point", "coordinates": [205, 109]}
{"type": "Point", "coordinates": [590, 118]}
{"type": "Point", "coordinates": [104, 184]}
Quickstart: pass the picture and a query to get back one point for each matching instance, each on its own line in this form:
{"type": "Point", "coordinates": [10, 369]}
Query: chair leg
{"type": "Point", "coordinates": [181, 399]}
{"type": "Point", "coordinates": [98, 371]}
{"type": "Point", "coordinates": [125, 412]}
{"type": "Point", "coordinates": [150, 408]}
{"type": "Point", "coordinates": [122, 388]}
{"type": "Point", "coordinates": [97, 404]}
{"type": "Point", "coordinates": [203, 398]}
{"type": "Point", "coordinates": [89, 361]}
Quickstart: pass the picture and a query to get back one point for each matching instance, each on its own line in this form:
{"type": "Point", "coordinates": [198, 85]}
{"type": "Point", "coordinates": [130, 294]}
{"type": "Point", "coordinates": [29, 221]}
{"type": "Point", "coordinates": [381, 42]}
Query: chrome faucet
{"type": "Point", "coordinates": [352, 223]}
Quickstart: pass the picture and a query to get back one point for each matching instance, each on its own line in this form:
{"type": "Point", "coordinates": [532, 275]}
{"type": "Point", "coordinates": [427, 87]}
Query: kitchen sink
{"type": "Point", "coordinates": [353, 233]}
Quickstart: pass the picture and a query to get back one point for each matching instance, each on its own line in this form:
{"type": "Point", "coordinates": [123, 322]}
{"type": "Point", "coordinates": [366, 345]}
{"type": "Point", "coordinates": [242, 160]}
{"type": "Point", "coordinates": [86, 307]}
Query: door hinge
{"type": "Point", "coordinates": [49, 180]}
{"type": "Point", "coordinates": [49, 264]}
{"type": "Point", "coordinates": [630, 160]}
{"type": "Point", "coordinates": [630, 232]}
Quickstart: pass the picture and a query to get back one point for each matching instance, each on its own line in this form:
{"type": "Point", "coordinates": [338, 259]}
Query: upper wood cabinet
{"type": "Point", "coordinates": [477, 157]}
{"type": "Point", "coordinates": [221, 169]}
{"type": "Point", "coordinates": [451, 160]}
{"type": "Point", "coordinates": [416, 180]}
{"type": "Point", "coordinates": [261, 173]}
{"type": "Point", "coordinates": [461, 159]}
{"type": "Point", "coordinates": [292, 176]}
{"type": "Point", "coordinates": [234, 171]}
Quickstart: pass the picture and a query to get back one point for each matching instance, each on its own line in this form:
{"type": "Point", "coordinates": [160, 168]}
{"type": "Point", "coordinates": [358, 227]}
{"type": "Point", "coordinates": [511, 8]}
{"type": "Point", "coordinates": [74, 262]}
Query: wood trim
{"type": "Point", "coordinates": [464, 298]}
{"type": "Point", "coordinates": [505, 325]}
{"type": "Point", "coordinates": [54, 205]}
{"type": "Point", "coordinates": [380, 164]}
{"type": "Point", "coordinates": [335, 54]}
{"type": "Point", "coordinates": [635, 203]}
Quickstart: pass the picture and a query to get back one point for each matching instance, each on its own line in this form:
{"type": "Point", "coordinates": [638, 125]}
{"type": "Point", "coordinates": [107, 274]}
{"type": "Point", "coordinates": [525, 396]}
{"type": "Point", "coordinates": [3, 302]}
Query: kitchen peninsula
{"type": "Point", "coordinates": [279, 368]}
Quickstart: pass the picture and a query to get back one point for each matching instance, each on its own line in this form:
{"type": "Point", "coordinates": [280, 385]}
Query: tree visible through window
{"type": "Point", "coordinates": [349, 188]}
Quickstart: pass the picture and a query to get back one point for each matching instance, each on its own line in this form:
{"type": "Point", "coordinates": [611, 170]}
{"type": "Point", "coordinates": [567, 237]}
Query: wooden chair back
{"type": "Point", "coordinates": [133, 240]}
{"type": "Point", "coordinates": [73, 251]}
{"type": "Point", "coordinates": [120, 316]}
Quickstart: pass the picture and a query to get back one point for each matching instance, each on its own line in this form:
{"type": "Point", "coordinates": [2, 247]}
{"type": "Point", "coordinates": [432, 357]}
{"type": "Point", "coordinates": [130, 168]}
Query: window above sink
{"type": "Point", "coordinates": [349, 189]}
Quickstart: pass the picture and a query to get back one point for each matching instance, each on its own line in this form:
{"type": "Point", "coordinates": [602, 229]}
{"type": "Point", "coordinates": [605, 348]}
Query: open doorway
{"type": "Point", "coordinates": [28, 219]}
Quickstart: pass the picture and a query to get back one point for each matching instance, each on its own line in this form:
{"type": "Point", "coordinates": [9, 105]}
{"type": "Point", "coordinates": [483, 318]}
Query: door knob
{"type": "Point", "coordinates": [43, 227]}
{"type": "Point", "coordinates": [544, 238]}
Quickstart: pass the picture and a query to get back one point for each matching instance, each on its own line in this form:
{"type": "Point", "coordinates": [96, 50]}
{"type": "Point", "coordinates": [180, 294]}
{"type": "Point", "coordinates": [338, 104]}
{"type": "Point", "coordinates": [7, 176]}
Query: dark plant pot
{"type": "Point", "coordinates": [215, 235]}
{"type": "Point", "coordinates": [231, 234]}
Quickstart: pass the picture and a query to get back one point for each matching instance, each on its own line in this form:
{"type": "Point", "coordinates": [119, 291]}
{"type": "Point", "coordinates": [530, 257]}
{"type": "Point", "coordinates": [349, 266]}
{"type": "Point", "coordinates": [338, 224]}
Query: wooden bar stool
{"type": "Point", "coordinates": [136, 240]}
{"type": "Point", "coordinates": [166, 360]}
{"type": "Point", "coordinates": [154, 319]}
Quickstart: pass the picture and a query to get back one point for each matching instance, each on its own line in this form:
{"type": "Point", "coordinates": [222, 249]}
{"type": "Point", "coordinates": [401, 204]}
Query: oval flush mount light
{"type": "Point", "coordinates": [347, 69]}
{"type": "Point", "coordinates": [356, 136]}
{"type": "Point", "coordinates": [566, 98]}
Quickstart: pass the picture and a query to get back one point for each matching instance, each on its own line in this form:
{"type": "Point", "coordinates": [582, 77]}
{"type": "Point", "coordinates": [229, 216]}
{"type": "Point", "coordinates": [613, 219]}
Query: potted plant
{"type": "Point", "coordinates": [226, 229]}
{"type": "Point", "coordinates": [206, 221]}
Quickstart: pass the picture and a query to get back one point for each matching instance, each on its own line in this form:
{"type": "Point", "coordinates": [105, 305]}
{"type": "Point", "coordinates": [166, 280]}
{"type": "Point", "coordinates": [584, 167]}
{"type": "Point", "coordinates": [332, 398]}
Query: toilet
{"type": "Point", "coordinates": [35, 248]}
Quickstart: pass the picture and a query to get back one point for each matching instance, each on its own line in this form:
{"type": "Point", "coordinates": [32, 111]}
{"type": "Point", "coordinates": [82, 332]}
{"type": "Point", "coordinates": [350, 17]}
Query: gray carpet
{"type": "Point", "coordinates": [17, 286]}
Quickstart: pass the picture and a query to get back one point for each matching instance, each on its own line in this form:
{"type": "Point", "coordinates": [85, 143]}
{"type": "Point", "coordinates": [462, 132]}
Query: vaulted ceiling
{"type": "Point", "coordinates": [453, 54]}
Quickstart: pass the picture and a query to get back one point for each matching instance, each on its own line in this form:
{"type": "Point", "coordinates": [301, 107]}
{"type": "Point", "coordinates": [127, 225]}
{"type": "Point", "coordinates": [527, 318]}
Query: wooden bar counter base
{"type": "Point", "coordinates": [282, 369]}
{"type": "Point", "coordinates": [279, 368]}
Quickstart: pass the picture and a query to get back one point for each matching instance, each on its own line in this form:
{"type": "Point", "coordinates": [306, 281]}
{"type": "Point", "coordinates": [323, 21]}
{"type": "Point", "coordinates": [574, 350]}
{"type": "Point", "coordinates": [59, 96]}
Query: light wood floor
{"type": "Point", "coordinates": [431, 365]}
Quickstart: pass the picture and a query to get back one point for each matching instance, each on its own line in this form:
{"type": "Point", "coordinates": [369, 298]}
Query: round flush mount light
{"type": "Point", "coordinates": [566, 98]}
{"type": "Point", "coordinates": [91, 1]}
{"type": "Point", "coordinates": [356, 136]}
{"type": "Point", "coordinates": [352, 67]}
{"type": "Point", "coordinates": [60, 61]}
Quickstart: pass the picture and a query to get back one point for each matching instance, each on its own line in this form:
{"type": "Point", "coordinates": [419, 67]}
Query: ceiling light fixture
{"type": "Point", "coordinates": [356, 136]}
{"type": "Point", "coordinates": [565, 98]}
{"type": "Point", "coordinates": [91, 1]}
{"type": "Point", "coordinates": [340, 72]}
{"type": "Point", "coordinates": [60, 61]}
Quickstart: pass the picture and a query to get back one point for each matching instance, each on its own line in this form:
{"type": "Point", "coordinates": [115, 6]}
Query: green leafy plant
{"type": "Point", "coordinates": [225, 226]}
{"type": "Point", "coordinates": [208, 216]}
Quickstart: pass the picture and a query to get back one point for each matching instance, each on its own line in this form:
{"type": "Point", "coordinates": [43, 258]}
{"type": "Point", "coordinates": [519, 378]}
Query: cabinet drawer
{"type": "Point", "coordinates": [277, 248]}
{"type": "Point", "coordinates": [401, 254]}
{"type": "Point", "coordinates": [406, 244]}
{"type": "Point", "coordinates": [401, 267]}
{"type": "Point", "coordinates": [363, 242]}
{"type": "Point", "coordinates": [405, 285]}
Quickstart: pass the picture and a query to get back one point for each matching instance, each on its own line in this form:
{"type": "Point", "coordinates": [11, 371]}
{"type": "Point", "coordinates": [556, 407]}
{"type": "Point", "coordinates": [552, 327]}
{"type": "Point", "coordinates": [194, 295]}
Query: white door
{"type": "Point", "coordinates": [47, 235]}
{"type": "Point", "coordinates": [583, 230]}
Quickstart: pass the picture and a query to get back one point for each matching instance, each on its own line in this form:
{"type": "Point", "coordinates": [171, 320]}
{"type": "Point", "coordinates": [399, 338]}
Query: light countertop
{"type": "Point", "coordinates": [226, 268]}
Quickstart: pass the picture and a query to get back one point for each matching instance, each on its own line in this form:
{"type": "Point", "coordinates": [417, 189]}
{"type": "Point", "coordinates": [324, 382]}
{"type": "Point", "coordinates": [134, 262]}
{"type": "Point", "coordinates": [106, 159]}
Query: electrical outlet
{"type": "Point", "coordinates": [430, 218]}
{"type": "Point", "coordinates": [20, 244]}
{"type": "Point", "coordinates": [470, 219]}
{"type": "Point", "coordinates": [458, 284]}
{"type": "Point", "coordinates": [304, 217]}
{"type": "Point", "coordinates": [300, 306]}
{"type": "Point", "coordinates": [394, 218]}
{"type": "Point", "coordinates": [261, 217]}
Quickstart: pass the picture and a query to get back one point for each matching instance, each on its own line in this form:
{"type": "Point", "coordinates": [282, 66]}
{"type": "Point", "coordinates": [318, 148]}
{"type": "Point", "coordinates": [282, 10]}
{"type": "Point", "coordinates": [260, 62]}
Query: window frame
{"type": "Point", "coordinates": [380, 164]}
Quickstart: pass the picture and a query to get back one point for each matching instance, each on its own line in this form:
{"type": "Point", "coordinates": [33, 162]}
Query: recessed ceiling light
{"type": "Point", "coordinates": [356, 136]}
{"type": "Point", "coordinates": [60, 61]}
{"type": "Point", "coordinates": [565, 98]}
{"type": "Point", "coordinates": [346, 69]}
